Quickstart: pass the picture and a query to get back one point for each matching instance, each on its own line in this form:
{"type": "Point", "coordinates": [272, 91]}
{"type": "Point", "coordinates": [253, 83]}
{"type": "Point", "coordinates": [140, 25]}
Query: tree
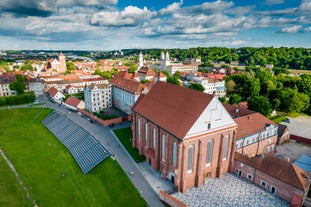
{"type": "Point", "coordinates": [173, 80]}
{"type": "Point", "coordinates": [260, 104]}
{"type": "Point", "coordinates": [197, 86]}
{"type": "Point", "coordinates": [299, 102]}
{"type": "Point", "coordinates": [230, 86]}
{"type": "Point", "coordinates": [234, 99]}
{"type": "Point", "coordinates": [27, 66]}
{"type": "Point", "coordinates": [70, 66]}
{"type": "Point", "coordinates": [19, 85]}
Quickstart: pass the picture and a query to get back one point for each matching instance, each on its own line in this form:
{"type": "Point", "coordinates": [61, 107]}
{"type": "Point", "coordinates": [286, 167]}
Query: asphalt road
{"type": "Point", "coordinates": [107, 137]}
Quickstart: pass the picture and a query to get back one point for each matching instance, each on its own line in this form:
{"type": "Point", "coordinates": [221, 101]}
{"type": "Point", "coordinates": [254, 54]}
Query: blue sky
{"type": "Point", "coordinates": [120, 24]}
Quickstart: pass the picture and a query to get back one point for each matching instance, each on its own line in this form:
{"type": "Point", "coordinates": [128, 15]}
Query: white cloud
{"type": "Point", "coordinates": [292, 29]}
{"type": "Point", "coordinates": [170, 9]}
{"type": "Point", "coordinates": [308, 29]}
{"type": "Point", "coordinates": [305, 6]}
{"type": "Point", "coordinates": [130, 16]}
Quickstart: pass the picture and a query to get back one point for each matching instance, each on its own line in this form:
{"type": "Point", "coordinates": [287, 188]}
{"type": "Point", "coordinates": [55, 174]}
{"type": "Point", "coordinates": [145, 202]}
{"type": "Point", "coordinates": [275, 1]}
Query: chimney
{"type": "Point", "coordinates": [288, 159]}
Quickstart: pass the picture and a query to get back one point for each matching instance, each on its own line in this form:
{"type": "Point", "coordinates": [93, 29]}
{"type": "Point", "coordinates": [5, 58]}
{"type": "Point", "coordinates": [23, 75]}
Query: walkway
{"type": "Point", "coordinates": [229, 191]}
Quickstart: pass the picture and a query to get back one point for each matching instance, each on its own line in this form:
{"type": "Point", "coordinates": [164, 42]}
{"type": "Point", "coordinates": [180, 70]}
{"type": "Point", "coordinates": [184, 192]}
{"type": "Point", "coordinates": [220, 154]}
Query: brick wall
{"type": "Point", "coordinates": [283, 190]}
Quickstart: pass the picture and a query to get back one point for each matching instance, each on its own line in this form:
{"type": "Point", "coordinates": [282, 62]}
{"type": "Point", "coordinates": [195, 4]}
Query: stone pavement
{"type": "Point", "coordinates": [229, 191]}
{"type": "Point", "coordinates": [154, 178]}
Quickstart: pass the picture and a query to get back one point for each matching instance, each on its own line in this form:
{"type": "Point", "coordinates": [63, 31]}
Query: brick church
{"type": "Point", "coordinates": [189, 136]}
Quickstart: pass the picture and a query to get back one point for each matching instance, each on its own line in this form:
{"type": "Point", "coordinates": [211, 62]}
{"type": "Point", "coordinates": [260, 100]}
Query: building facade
{"type": "Point", "coordinates": [97, 97]}
{"type": "Point", "coordinates": [274, 174]}
{"type": "Point", "coordinates": [125, 93]}
{"type": "Point", "coordinates": [187, 137]}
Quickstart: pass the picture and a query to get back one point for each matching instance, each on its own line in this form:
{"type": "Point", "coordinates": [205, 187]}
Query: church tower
{"type": "Point", "coordinates": [140, 60]}
{"type": "Point", "coordinates": [167, 59]}
{"type": "Point", "coordinates": [62, 63]}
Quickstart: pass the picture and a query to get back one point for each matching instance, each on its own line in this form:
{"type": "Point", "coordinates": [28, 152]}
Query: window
{"type": "Point", "coordinates": [209, 152]}
{"type": "Point", "coordinates": [209, 126]}
{"type": "Point", "coordinates": [249, 176]}
{"type": "Point", "coordinates": [146, 129]}
{"type": "Point", "coordinates": [273, 189]}
{"type": "Point", "coordinates": [174, 153]}
{"type": "Point", "coordinates": [226, 143]}
{"type": "Point", "coordinates": [263, 184]}
{"type": "Point", "coordinates": [138, 129]}
{"type": "Point", "coordinates": [239, 173]}
{"type": "Point", "coordinates": [163, 147]}
{"type": "Point", "coordinates": [190, 158]}
{"type": "Point", "coordinates": [154, 138]}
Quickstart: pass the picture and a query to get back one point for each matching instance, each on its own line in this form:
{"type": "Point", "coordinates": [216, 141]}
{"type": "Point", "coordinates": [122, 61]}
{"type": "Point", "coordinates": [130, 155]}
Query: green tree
{"type": "Point", "coordinates": [26, 66]}
{"type": "Point", "coordinates": [70, 66]}
{"type": "Point", "coordinates": [260, 104]}
{"type": "Point", "coordinates": [299, 102]}
{"type": "Point", "coordinates": [173, 80]}
{"type": "Point", "coordinates": [197, 86]}
{"type": "Point", "coordinates": [234, 99]}
{"type": "Point", "coordinates": [19, 85]}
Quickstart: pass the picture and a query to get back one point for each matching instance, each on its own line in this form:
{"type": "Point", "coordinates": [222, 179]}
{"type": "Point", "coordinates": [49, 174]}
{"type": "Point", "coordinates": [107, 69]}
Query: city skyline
{"type": "Point", "coordinates": [113, 24]}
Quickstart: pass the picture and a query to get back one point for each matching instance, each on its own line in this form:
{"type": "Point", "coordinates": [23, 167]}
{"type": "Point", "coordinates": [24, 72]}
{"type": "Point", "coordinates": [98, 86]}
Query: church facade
{"type": "Point", "coordinates": [185, 134]}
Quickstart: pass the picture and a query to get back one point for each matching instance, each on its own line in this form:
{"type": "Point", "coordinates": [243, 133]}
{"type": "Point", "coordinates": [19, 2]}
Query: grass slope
{"type": "Point", "coordinates": [125, 137]}
{"type": "Point", "coordinates": [50, 172]}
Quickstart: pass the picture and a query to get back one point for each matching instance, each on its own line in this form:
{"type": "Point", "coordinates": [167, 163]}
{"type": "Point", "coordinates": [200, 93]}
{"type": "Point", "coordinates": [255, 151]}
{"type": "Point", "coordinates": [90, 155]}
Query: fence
{"type": "Point", "coordinates": [300, 139]}
{"type": "Point", "coordinates": [170, 200]}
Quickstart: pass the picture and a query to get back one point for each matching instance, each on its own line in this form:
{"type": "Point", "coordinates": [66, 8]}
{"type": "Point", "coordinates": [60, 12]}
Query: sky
{"type": "Point", "coordinates": [123, 24]}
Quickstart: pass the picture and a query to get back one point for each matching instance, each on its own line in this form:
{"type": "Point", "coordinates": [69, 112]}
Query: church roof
{"type": "Point", "coordinates": [172, 107]}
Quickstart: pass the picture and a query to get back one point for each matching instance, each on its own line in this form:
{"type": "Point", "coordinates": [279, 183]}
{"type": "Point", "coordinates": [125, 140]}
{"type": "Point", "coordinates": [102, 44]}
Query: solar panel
{"type": "Point", "coordinates": [84, 147]}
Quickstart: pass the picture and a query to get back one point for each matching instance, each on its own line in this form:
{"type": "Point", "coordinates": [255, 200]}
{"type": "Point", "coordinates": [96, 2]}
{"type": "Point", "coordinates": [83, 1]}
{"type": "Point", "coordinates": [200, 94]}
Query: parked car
{"type": "Point", "coordinates": [287, 120]}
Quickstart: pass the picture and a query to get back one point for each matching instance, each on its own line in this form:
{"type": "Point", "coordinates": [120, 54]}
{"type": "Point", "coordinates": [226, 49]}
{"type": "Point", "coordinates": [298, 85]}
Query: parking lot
{"type": "Point", "coordinates": [300, 126]}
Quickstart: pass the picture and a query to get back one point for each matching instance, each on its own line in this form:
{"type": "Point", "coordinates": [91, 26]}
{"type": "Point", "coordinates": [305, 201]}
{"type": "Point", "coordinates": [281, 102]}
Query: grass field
{"type": "Point", "coordinates": [49, 171]}
{"type": "Point", "coordinates": [125, 137]}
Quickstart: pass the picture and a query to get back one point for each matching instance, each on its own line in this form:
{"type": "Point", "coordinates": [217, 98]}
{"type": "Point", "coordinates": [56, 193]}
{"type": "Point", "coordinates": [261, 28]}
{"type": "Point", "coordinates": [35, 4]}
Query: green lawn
{"type": "Point", "coordinates": [125, 137]}
{"type": "Point", "coordinates": [49, 171]}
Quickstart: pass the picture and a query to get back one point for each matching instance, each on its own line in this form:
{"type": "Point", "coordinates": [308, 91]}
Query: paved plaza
{"type": "Point", "coordinates": [299, 126]}
{"type": "Point", "coordinates": [229, 191]}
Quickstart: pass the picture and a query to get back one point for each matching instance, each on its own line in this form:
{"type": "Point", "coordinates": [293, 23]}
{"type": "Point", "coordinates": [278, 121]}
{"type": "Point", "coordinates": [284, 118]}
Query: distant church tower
{"type": "Point", "coordinates": [62, 63]}
{"type": "Point", "coordinates": [164, 61]}
{"type": "Point", "coordinates": [140, 60]}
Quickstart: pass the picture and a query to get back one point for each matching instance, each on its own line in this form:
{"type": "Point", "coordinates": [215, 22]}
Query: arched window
{"type": "Point", "coordinates": [154, 137]}
{"type": "Point", "coordinates": [146, 130]}
{"type": "Point", "coordinates": [190, 158]}
{"type": "Point", "coordinates": [174, 153]}
{"type": "Point", "coordinates": [163, 147]}
{"type": "Point", "coordinates": [138, 129]}
{"type": "Point", "coordinates": [209, 152]}
{"type": "Point", "coordinates": [226, 143]}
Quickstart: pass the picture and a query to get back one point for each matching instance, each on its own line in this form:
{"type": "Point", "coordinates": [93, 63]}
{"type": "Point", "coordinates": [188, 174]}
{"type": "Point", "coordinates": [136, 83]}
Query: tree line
{"type": "Point", "coordinates": [265, 92]}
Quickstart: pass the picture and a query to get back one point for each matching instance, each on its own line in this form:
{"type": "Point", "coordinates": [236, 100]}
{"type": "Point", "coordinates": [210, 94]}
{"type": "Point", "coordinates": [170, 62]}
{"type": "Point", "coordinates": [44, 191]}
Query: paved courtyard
{"type": "Point", "coordinates": [229, 191]}
{"type": "Point", "coordinates": [300, 126]}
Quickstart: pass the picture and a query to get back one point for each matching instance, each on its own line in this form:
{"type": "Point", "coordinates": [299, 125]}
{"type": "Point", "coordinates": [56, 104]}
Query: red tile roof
{"type": "Point", "coordinates": [128, 85]}
{"type": "Point", "coordinates": [172, 107]}
{"type": "Point", "coordinates": [279, 168]}
{"type": "Point", "coordinates": [52, 91]}
{"type": "Point", "coordinates": [73, 101]}
{"type": "Point", "coordinates": [251, 124]}
{"type": "Point", "coordinates": [248, 121]}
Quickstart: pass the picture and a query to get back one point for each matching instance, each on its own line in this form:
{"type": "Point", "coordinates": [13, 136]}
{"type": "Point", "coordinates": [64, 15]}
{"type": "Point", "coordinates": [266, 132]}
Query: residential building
{"type": "Point", "coordinates": [55, 95]}
{"type": "Point", "coordinates": [36, 86]}
{"type": "Point", "coordinates": [255, 134]}
{"type": "Point", "coordinates": [276, 175]}
{"type": "Point", "coordinates": [145, 73]}
{"type": "Point", "coordinates": [185, 134]}
{"type": "Point", "coordinates": [125, 92]}
{"type": "Point", "coordinates": [97, 97]}
{"type": "Point", "coordinates": [283, 134]}
{"type": "Point", "coordinates": [5, 87]}
{"type": "Point", "coordinates": [71, 89]}
{"type": "Point", "coordinates": [73, 103]}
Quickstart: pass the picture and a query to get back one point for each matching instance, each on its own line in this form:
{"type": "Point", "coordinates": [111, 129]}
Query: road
{"type": "Point", "coordinates": [105, 136]}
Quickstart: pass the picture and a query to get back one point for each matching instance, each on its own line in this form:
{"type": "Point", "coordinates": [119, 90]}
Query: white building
{"type": "Point", "coordinates": [36, 86]}
{"type": "Point", "coordinates": [97, 97]}
{"type": "Point", "coordinates": [125, 93]}
{"type": "Point", "coordinates": [214, 86]}
{"type": "Point", "coordinates": [171, 68]}
{"type": "Point", "coordinates": [5, 88]}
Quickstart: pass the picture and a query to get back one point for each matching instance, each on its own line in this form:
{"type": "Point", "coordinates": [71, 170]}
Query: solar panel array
{"type": "Point", "coordinates": [84, 147]}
